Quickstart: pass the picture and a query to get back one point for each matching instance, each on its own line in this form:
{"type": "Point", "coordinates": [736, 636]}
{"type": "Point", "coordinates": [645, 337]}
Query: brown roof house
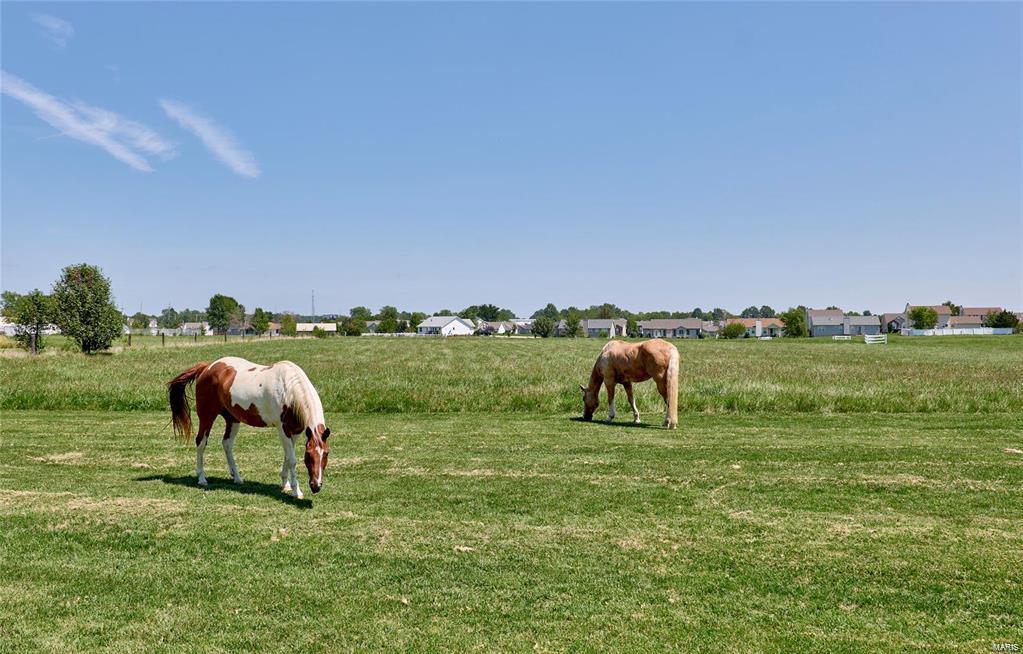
{"type": "Point", "coordinates": [757, 327]}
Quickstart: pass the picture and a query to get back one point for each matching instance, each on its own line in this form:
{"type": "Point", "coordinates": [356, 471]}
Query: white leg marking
{"type": "Point", "coordinates": [296, 490]}
{"type": "Point", "coordinates": [285, 468]}
{"type": "Point", "coordinates": [232, 467]}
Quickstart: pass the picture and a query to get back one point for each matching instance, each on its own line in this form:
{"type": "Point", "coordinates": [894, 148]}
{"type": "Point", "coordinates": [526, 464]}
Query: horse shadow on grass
{"type": "Point", "coordinates": [604, 423]}
{"type": "Point", "coordinates": [272, 491]}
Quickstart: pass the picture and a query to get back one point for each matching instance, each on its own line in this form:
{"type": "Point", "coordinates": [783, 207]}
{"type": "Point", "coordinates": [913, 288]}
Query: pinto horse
{"type": "Point", "coordinates": [279, 395]}
{"type": "Point", "coordinates": [625, 363]}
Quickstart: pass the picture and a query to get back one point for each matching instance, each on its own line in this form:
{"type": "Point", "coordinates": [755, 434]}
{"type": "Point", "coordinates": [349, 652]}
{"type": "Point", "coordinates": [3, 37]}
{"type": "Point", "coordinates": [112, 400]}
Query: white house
{"type": "Point", "coordinates": [446, 326]}
{"type": "Point", "coordinates": [197, 328]}
{"type": "Point", "coordinates": [306, 328]}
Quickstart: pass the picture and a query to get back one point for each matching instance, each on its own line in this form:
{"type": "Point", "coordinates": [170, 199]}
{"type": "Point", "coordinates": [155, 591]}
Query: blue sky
{"type": "Point", "coordinates": [434, 156]}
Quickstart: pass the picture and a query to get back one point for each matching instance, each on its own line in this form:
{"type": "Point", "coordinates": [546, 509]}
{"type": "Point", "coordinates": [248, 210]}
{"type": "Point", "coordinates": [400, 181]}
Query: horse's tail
{"type": "Point", "coordinates": [181, 413]}
{"type": "Point", "coordinates": [672, 388]}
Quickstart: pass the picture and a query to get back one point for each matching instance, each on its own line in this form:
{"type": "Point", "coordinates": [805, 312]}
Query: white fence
{"type": "Point", "coordinates": [875, 339]}
{"type": "Point", "coordinates": [959, 331]}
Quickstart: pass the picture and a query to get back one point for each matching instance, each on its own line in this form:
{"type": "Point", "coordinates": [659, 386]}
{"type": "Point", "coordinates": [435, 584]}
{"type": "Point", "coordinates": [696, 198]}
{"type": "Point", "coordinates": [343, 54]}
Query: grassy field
{"type": "Point", "coordinates": [420, 375]}
{"type": "Point", "coordinates": [818, 496]}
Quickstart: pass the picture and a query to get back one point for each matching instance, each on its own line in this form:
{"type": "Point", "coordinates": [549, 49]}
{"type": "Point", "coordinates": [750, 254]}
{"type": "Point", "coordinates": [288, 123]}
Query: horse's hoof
{"type": "Point", "coordinates": [297, 496]}
{"type": "Point", "coordinates": [203, 482]}
{"type": "Point", "coordinates": [239, 481]}
{"type": "Point", "coordinates": [286, 488]}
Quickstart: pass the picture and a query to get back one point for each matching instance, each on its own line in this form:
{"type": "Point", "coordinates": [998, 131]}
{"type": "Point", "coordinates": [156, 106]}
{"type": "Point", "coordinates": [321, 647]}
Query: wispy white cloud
{"type": "Point", "coordinates": [124, 139]}
{"type": "Point", "coordinates": [57, 30]}
{"type": "Point", "coordinates": [217, 139]}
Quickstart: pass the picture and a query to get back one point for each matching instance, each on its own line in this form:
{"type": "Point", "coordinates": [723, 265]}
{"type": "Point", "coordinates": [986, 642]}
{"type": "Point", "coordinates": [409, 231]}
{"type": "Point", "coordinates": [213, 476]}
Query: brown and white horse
{"type": "Point", "coordinates": [279, 395]}
{"type": "Point", "coordinates": [626, 363]}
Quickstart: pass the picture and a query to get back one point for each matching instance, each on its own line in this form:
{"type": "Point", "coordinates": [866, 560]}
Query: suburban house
{"type": "Point", "coordinates": [196, 328]}
{"type": "Point", "coordinates": [306, 328]}
{"type": "Point", "coordinates": [832, 322]}
{"type": "Point", "coordinates": [825, 322]}
{"type": "Point", "coordinates": [861, 325]}
{"type": "Point", "coordinates": [604, 327]}
{"type": "Point", "coordinates": [498, 328]}
{"type": "Point", "coordinates": [710, 329]}
{"type": "Point", "coordinates": [757, 327]}
{"type": "Point", "coordinates": [671, 328]}
{"type": "Point", "coordinates": [446, 326]}
{"type": "Point", "coordinates": [371, 326]}
{"type": "Point", "coordinates": [943, 311]}
{"type": "Point", "coordinates": [892, 323]}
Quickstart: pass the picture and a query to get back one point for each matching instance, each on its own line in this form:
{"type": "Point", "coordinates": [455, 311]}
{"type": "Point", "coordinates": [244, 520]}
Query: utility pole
{"type": "Point", "coordinates": [314, 305]}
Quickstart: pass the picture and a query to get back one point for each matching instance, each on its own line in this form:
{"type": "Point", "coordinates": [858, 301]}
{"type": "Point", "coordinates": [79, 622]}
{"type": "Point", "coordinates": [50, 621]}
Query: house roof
{"type": "Point", "coordinates": [960, 321]}
{"type": "Point", "coordinates": [863, 320]}
{"type": "Point", "coordinates": [443, 321]}
{"type": "Point", "coordinates": [604, 323]}
{"type": "Point", "coordinates": [308, 326]}
{"type": "Point", "coordinates": [979, 311]}
{"type": "Point", "coordinates": [827, 321]}
{"type": "Point", "coordinates": [940, 309]}
{"type": "Point", "coordinates": [822, 313]}
{"type": "Point", "coordinates": [709, 326]}
{"type": "Point", "coordinates": [752, 322]}
{"type": "Point", "coordinates": [671, 323]}
{"type": "Point", "coordinates": [888, 317]}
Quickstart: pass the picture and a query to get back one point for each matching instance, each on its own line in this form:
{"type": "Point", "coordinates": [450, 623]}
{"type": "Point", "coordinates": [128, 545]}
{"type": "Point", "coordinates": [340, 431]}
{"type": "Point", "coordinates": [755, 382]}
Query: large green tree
{"type": "Point", "coordinates": [30, 313]}
{"type": "Point", "coordinates": [260, 321]}
{"type": "Point", "coordinates": [169, 319]}
{"type": "Point", "coordinates": [388, 318]}
{"type": "Point", "coordinates": [543, 326]}
{"type": "Point", "coordinates": [766, 312]}
{"type": "Point", "coordinates": [84, 308]}
{"type": "Point", "coordinates": [414, 319]}
{"type": "Point", "coordinates": [795, 322]}
{"type": "Point", "coordinates": [353, 326]}
{"type": "Point", "coordinates": [1001, 319]}
{"type": "Point", "coordinates": [139, 321]}
{"type": "Point", "coordinates": [750, 312]}
{"type": "Point", "coordinates": [222, 311]}
{"type": "Point", "coordinates": [573, 326]}
{"type": "Point", "coordinates": [361, 312]}
{"type": "Point", "coordinates": [289, 325]}
{"type": "Point", "coordinates": [923, 317]}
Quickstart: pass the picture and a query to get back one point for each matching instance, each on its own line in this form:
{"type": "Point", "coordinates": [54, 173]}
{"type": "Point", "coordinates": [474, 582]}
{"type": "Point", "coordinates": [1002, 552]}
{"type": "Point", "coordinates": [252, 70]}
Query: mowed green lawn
{"type": "Point", "coordinates": [840, 524]}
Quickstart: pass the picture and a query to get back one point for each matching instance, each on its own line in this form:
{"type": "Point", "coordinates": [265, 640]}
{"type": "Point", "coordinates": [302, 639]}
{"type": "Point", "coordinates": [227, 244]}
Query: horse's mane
{"type": "Point", "coordinates": [299, 398]}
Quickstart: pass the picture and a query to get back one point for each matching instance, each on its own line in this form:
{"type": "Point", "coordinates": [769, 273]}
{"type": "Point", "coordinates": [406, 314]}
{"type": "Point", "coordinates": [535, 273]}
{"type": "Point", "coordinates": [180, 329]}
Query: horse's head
{"type": "Point", "coordinates": [316, 453]}
{"type": "Point", "coordinates": [590, 402]}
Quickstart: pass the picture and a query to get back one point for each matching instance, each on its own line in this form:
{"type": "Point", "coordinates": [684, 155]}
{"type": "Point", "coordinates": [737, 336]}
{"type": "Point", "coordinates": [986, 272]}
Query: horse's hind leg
{"type": "Point", "coordinates": [609, 383]}
{"type": "Point", "coordinates": [230, 436]}
{"type": "Point", "coordinates": [662, 388]}
{"type": "Point", "coordinates": [632, 401]}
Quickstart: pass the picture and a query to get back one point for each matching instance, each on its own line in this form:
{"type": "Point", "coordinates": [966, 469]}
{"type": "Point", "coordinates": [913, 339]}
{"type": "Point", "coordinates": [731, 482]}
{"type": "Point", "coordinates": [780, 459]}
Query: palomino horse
{"type": "Point", "coordinates": [279, 395]}
{"type": "Point", "coordinates": [625, 363]}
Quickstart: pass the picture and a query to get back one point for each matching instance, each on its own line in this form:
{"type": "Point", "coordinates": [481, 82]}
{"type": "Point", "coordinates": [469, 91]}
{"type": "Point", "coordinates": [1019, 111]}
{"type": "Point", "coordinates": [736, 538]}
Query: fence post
{"type": "Point", "coordinates": [129, 339]}
{"type": "Point", "coordinates": [163, 339]}
{"type": "Point", "coordinates": [34, 351]}
{"type": "Point", "coordinates": [225, 335]}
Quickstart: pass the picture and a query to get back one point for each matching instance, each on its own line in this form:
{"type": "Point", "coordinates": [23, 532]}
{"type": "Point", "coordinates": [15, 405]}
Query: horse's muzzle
{"type": "Point", "coordinates": [314, 489]}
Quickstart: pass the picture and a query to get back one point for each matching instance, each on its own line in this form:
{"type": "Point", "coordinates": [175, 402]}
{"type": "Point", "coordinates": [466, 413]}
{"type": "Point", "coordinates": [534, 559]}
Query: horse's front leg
{"type": "Point", "coordinates": [290, 465]}
{"type": "Point", "coordinates": [230, 436]}
{"type": "Point", "coordinates": [632, 401]}
{"type": "Point", "coordinates": [285, 467]}
{"type": "Point", "coordinates": [609, 383]}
